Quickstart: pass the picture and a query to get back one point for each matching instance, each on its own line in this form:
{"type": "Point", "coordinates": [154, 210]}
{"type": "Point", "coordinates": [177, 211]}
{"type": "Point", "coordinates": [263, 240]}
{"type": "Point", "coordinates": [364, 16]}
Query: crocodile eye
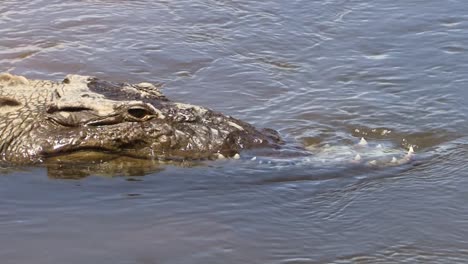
{"type": "Point", "coordinates": [139, 113]}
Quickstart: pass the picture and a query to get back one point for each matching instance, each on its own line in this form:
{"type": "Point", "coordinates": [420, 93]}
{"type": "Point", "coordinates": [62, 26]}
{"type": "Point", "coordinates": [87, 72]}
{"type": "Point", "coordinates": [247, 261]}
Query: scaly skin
{"type": "Point", "coordinates": [41, 119]}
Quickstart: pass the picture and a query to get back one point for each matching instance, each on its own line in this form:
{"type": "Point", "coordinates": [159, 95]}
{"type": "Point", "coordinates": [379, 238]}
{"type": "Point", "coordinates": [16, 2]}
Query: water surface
{"type": "Point", "coordinates": [319, 72]}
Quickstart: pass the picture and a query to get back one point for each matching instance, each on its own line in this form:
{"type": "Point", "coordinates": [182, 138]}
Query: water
{"type": "Point", "coordinates": [320, 72]}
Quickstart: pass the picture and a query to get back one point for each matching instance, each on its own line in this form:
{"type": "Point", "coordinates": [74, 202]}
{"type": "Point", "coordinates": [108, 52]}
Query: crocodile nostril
{"type": "Point", "coordinates": [139, 113]}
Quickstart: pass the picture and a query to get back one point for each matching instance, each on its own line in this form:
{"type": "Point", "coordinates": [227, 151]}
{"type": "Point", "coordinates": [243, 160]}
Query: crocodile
{"type": "Point", "coordinates": [134, 128]}
{"type": "Point", "coordinates": [41, 119]}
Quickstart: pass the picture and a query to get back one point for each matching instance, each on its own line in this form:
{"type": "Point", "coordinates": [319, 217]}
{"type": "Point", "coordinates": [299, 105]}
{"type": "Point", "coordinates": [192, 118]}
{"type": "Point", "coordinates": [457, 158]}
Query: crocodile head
{"type": "Point", "coordinates": [136, 120]}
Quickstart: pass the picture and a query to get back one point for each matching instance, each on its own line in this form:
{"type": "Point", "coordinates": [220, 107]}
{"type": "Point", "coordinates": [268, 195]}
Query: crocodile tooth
{"type": "Point", "coordinates": [362, 142]}
{"type": "Point", "coordinates": [254, 158]}
{"type": "Point", "coordinates": [411, 151]}
{"type": "Point", "coordinates": [221, 156]}
{"type": "Point", "coordinates": [379, 146]}
{"type": "Point", "coordinates": [373, 162]}
{"type": "Point", "coordinates": [357, 158]}
{"type": "Point", "coordinates": [237, 156]}
{"type": "Point", "coordinates": [394, 160]}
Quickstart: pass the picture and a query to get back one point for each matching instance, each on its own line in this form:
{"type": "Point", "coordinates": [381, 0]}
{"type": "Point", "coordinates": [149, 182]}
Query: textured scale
{"type": "Point", "coordinates": [41, 119]}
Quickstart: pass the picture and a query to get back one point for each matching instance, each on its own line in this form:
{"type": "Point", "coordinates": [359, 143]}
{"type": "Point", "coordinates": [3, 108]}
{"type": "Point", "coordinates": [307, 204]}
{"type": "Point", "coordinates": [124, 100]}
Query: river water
{"type": "Point", "coordinates": [322, 73]}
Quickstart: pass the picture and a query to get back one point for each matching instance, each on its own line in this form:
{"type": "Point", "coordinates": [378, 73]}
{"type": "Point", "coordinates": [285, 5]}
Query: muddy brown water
{"type": "Point", "coordinates": [320, 72]}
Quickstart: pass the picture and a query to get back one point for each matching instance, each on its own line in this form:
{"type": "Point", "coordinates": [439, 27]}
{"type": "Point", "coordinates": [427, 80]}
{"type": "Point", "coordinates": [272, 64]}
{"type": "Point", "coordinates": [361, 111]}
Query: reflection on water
{"type": "Point", "coordinates": [323, 73]}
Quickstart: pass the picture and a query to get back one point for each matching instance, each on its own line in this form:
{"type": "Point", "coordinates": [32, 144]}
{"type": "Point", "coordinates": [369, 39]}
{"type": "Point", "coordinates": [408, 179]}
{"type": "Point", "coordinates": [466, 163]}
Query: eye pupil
{"type": "Point", "coordinates": [138, 112]}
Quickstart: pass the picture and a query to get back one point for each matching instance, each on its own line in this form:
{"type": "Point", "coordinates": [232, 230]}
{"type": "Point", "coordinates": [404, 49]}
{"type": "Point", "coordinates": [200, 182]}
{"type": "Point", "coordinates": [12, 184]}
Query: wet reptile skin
{"type": "Point", "coordinates": [41, 119]}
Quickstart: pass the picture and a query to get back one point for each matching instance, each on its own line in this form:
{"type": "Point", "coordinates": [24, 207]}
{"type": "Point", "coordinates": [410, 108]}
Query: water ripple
{"type": "Point", "coordinates": [320, 72]}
